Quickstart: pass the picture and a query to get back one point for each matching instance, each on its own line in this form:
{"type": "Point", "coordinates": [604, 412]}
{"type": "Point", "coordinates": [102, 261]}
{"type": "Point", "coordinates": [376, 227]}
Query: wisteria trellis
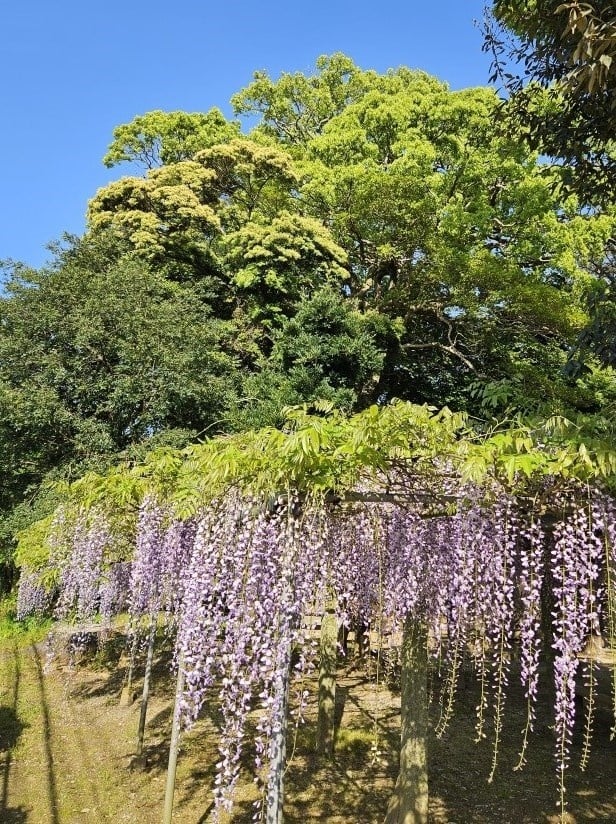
{"type": "Point", "coordinates": [237, 581]}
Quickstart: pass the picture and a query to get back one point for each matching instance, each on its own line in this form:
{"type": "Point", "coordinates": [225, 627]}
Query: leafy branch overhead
{"type": "Point", "coordinates": [407, 451]}
{"type": "Point", "coordinates": [564, 99]}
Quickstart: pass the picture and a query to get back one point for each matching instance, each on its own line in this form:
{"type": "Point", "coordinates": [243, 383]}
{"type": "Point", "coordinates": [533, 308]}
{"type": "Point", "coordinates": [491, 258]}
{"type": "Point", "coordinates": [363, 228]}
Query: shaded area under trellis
{"type": "Point", "coordinates": [349, 790]}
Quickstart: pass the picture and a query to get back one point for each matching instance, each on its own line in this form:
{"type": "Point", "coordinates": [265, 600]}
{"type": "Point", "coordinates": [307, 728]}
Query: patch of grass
{"type": "Point", "coordinates": [354, 743]}
{"type": "Point", "coordinates": [28, 631]}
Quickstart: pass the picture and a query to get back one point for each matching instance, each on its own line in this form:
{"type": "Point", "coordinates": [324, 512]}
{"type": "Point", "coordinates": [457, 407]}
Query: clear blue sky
{"type": "Point", "coordinates": [72, 70]}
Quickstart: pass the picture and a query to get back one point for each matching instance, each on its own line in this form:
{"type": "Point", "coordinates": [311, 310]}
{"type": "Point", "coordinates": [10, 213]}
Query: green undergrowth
{"type": "Point", "coordinates": [356, 743]}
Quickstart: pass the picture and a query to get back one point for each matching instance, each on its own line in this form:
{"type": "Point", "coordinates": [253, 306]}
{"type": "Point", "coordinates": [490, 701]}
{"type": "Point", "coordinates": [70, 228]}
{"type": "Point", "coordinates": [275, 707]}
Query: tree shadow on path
{"type": "Point", "coordinates": [52, 791]}
{"type": "Point", "coordinates": [11, 728]}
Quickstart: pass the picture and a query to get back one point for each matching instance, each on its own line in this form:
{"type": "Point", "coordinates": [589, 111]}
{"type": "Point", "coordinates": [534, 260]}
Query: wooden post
{"type": "Point", "coordinates": [126, 697]}
{"type": "Point", "coordinates": [409, 803]}
{"type": "Point", "coordinates": [361, 638]}
{"type": "Point", "coordinates": [174, 744]}
{"type": "Point", "coordinates": [145, 697]}
{"type": "Point", "coordinates": [278, 746]}
{"type": "Point", "coordinates": [327, 683]}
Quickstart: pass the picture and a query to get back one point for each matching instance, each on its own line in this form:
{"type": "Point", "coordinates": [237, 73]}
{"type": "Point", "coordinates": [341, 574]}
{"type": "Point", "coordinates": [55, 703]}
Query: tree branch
{"type": "Point", "coordinates": [450, 349]}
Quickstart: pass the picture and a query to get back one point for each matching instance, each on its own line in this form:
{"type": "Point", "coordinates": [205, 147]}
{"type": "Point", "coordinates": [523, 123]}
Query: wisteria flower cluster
{"type": "Point", "coordinates": [238, 581]}
{"type": "Point", "coordinates": [33, 598]}
{"type": "Point", "coordinates": [81, 575]}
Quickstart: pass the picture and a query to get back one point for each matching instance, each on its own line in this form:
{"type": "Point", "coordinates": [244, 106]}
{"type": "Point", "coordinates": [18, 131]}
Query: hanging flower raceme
{"type": "Point", "coordinates": [240, 579]}
{"type": "Point", "coordinates": [178, 542]}
{"type": "Point", "coordinates": [81, 572]}
{"type": "Point", "coordinates": [531, 576]}
{"type": "Point", "coordinates": [255, 570]}
{"type": "Point", "coordinates": [146, 580]}
{"type": "Point", "coordinates": [358, 566]}
{"type": "Point", "coordinates": [575, 555]}
{"type": "Point", "coordinates": [33, 598]}
{"type": "Point", "coordinates": [114, 590]}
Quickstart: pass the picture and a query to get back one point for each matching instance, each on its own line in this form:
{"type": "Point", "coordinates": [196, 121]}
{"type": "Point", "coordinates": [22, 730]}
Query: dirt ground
{"type": "Point", "coordinates": [66, 756]}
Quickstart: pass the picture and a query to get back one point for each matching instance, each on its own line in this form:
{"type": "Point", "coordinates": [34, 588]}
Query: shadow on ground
{"type": "Point", "coordinates": [354, 787]}
{"type": "Point", "coordinates": [11, 727]}
{"type": "Point", "coordinates": [14, 815]}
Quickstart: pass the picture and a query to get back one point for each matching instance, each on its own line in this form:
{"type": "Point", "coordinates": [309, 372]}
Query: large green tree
{"type": "Point", "coordinates": [557, 60]}
{"type": "Point", "coordinates": [98, 353]}
{"type": "Point", "coordinates": [401, 194]}
{"type": "Point", "coordinates": [449, 227]}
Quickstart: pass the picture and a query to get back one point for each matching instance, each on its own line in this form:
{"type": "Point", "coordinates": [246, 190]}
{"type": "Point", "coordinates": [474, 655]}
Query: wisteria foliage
{"type": "Point", "coordinates": [239, 581]}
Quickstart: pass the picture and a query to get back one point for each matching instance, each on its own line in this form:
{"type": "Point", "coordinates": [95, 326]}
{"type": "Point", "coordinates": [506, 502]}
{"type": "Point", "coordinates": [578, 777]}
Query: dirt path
{"type": "Point", "coordinates": [12, 724]}
{"type": "Point", "coordinates": [61, 764]}
{"type": "Point", "coordinates": [29, 785]}
{"type": "Point", "coordinates": [66, 747]}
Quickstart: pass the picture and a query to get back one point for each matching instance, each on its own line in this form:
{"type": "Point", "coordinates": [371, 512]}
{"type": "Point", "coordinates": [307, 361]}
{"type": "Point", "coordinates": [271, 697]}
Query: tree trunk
{"type": "Point", "coordinates": [327, 684]}
{"type": "Point", "coordinates": [174, 744]}
{"type": "Point", "coordinates": [409, 803]}
{"type": "Point", "coordinates": [145, 697]}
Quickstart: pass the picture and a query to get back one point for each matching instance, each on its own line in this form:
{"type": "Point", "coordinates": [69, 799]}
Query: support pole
{"type": "Point", "coordinates": [278, 746]}
{"type": "Point", "coordinates": [174, 744]}
{"type": "Point", "coordinates": [145, 697]}
{"type": "Point", "coordinates": [327, 683]}
{"type": "Point", "coordinates": [126, 698]}
{"type": "Point", "coordinates": [409, 803]}
{"type": "Point", "coordinates": [361, 639]}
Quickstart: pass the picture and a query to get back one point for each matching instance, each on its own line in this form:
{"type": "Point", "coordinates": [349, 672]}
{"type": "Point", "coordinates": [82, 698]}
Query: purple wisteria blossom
{"type": "Point", "coordinates": [33, 599]}
{"type": "Point", "coordinates": [81, 576]}
{"type": "Point", "coordinates": [239, 580]}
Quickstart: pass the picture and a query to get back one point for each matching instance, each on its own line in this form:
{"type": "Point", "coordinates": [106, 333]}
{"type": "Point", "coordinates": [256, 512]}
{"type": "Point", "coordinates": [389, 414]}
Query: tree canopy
{"type": "Point", "coordinates": [556, 61]}
{"type": "Point", "coordinates": [423, 213]}
{"type": "Point", "coordinates": [565, 100]}
{"type": "Point", "coordinates": [368, 237]}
